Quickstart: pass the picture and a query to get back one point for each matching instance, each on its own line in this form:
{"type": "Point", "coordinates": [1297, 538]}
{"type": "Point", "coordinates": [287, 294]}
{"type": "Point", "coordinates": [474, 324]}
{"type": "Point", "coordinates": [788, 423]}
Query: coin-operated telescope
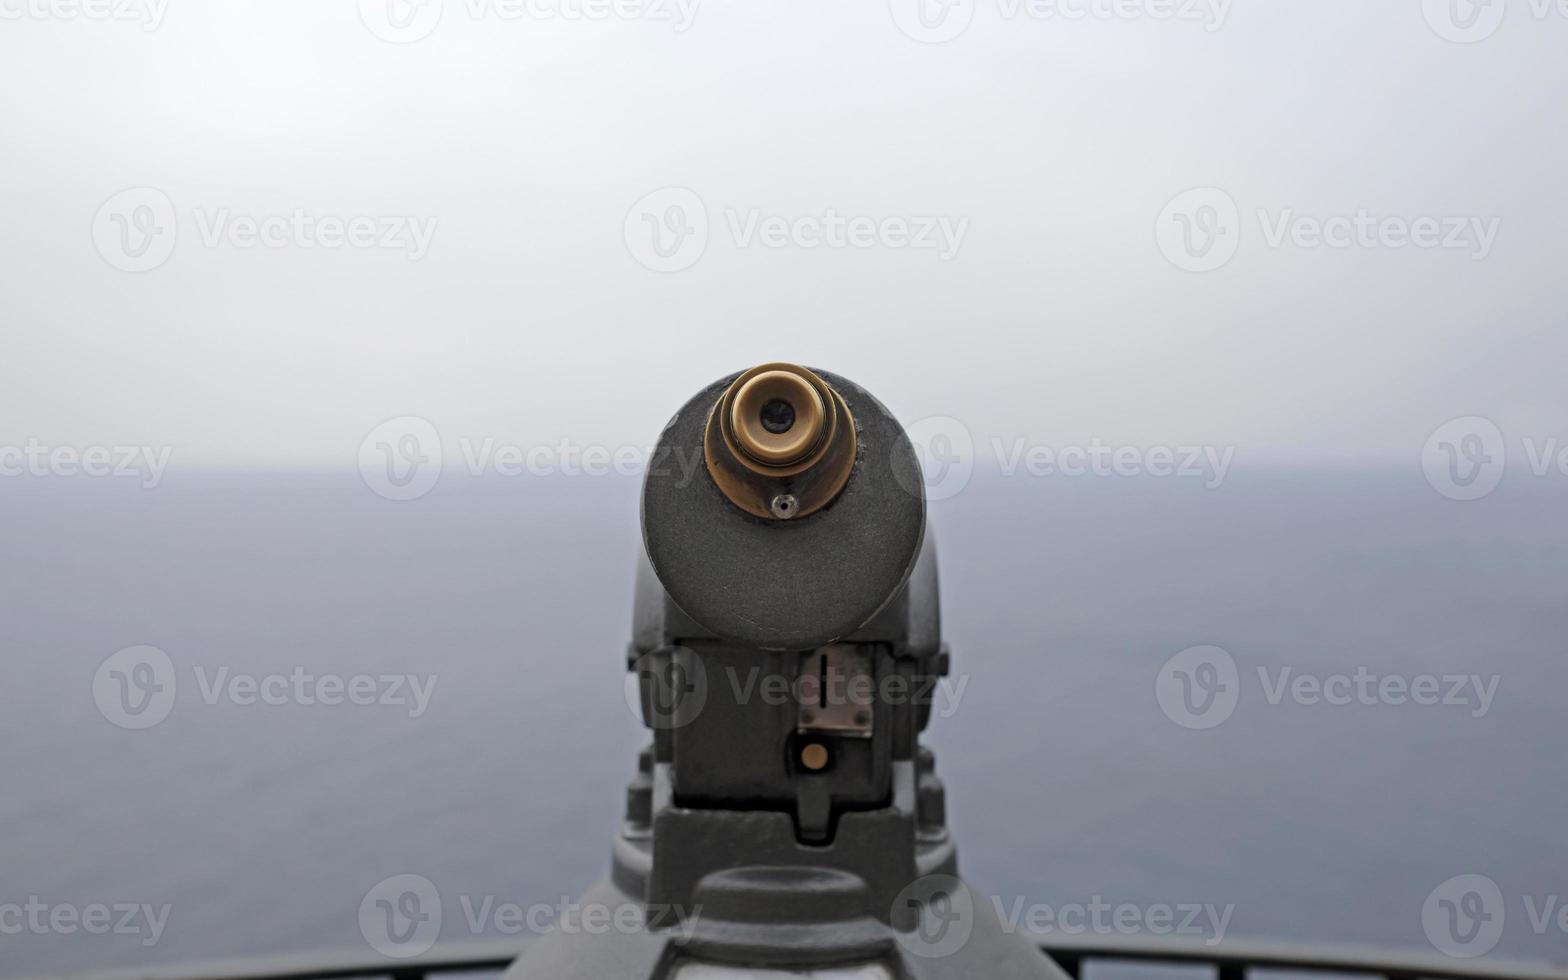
{"type": "Point", "coordinates": [787, 646]}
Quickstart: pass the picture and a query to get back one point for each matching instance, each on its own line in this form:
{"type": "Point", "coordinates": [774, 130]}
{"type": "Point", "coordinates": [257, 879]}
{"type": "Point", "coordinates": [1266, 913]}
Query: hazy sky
{"type": "Point", "coordinates": [1033, 154]}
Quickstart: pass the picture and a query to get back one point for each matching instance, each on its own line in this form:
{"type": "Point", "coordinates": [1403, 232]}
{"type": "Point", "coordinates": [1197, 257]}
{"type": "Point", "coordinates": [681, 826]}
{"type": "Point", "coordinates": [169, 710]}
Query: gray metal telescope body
{"type": "Point", "coordinates": [752, 641]}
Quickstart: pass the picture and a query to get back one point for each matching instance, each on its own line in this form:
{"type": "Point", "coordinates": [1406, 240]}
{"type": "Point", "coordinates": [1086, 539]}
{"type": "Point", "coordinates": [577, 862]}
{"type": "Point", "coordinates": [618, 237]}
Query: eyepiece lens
{"type": "Point", "coordinates": [778, 416]}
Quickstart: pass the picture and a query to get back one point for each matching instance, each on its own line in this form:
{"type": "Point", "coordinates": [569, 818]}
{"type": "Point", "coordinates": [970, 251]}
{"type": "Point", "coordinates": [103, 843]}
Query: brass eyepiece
{"type": "Point", "coordinates": [777, 417]}
{"type": "Point", "coordinates": [780, 442]}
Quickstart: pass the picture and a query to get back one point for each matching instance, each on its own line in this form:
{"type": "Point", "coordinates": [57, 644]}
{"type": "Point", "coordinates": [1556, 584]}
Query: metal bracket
{"type": "Point", "coordinates": [836, 692]}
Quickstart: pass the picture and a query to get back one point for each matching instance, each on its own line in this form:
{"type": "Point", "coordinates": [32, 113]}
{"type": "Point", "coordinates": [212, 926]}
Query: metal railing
{"type": "Point", "coordinates": [1229, 961]}
{"type": "Point", "coordinates": [466, 957]}
{"type": "Point", "coordinates": [1234, 960]}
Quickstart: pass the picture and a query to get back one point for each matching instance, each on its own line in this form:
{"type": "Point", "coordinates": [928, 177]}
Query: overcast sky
{"type": "Point", "coordinates": [1030, 159]}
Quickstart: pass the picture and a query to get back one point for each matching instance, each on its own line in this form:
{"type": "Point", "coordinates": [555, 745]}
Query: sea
{"type": "Point", "coordinates": [1165, 695]}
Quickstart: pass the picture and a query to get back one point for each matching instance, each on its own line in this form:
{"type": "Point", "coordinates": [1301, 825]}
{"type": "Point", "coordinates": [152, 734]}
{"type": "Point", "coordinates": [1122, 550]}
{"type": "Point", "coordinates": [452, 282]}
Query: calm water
{"type": "Point", "coordinates": [262, 827]}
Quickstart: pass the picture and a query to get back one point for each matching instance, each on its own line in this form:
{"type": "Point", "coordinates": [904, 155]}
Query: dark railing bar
{"type": "Point", "coordinates": [460, 957]}
{"type": "Point", "coordinates": [1232, 960]}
